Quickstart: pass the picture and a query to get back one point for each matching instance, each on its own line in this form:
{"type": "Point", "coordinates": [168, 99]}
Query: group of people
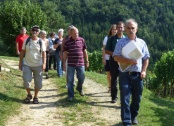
{"type": "Point", "coordinates": [72, 52]}
{"type": "Point", "coordinates": [131, 79]}
{"type": "Point", "coordinates": [34, 55]}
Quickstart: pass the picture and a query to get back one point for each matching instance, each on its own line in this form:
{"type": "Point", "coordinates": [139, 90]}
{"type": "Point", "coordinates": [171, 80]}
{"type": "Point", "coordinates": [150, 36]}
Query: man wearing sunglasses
{"type": "Point", "coordinates": [33, 52]}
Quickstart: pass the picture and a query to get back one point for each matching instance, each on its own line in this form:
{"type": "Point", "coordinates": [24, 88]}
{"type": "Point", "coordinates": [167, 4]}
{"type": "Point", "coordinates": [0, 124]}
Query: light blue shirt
{"type": "Point", "coordinates": [141, 45]}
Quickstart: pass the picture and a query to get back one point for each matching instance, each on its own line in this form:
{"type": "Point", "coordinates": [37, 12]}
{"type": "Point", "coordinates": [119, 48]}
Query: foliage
{"type": "Point", "coordinates": [163, 83]}
{"type": "Point", "coordinates": [15, 15]}
{"type": "Point", "coordinates": [95, 61]}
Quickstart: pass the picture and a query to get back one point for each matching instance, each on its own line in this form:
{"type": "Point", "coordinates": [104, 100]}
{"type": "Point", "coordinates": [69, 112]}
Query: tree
{"type": "Point", "coordinates": [15, 15]}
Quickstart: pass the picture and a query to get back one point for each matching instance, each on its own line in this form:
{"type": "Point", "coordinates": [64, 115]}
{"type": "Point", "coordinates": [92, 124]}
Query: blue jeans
{"type": "Point", "coordinates": [59, 64]}
{"type": "Point", "coordinates": [130, 84]}
{"type": "Point", "coordinates": [70, 77]}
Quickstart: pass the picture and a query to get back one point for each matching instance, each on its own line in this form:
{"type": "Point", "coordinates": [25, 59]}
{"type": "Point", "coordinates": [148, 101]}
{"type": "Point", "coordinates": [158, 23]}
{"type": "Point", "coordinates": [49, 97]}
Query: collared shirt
{"type": "Point", "coordinates": [75, 50]}
{"type": "Point", "coordinates": [142, 47]}
{"type": "Point", "coordinates": [112, 42]}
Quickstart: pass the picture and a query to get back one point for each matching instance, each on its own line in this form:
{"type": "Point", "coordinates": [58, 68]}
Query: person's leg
{"type": "Point", "coordinates": [59, 63]}
{"type": "Point", "coordinates": [107, 69]}
{"type": "Point", "coordinates": [37, 72]}
{"type": "Point", "coordinates": [47, 64]}
{"type": "Point", "coordinates": [27, 78]}
{"type": "Point", "coordinates": [125, 92]}
{"type": "Point", "coordinates": [54, 62]}
{"type": "Point", "coordinates": [81, 77]}
{"type": "Point", "coordinates": [109, 80]}
{"type": "Point", "coordinates": [114, 74]}
{"type": "Point", "coordinates": [50, 61]}
{"type": "Point", "coordinates": [136, 89]}
{"type": "Point", "coordinates": [70, 79]}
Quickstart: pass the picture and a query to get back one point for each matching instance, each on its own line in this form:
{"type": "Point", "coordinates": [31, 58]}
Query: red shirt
{"type": "Point", "coordinates": [20, 39]}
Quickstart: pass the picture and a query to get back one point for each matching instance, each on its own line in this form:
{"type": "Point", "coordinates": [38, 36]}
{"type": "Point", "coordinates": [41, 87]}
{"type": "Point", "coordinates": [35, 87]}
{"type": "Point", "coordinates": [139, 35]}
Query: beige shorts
{"type": "Point", "coordinates": [27, 76]}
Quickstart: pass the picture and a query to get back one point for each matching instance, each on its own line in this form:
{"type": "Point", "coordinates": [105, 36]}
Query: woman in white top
{"type": "Point", "coordinates": [105, 57]}
{"type": "Point", "coordinates": [43, 36]}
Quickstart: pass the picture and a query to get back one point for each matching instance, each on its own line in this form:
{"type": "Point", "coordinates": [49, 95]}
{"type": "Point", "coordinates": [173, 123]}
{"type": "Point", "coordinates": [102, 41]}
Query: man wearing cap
{"type": "Point", "coordinates": [20, 39]}
{"type": "Point", "coordinates": [34, 62]}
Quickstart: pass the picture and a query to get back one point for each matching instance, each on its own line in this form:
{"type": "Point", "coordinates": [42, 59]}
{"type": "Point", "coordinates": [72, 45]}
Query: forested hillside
{"type": "Point", "coordinates": [94, 17]}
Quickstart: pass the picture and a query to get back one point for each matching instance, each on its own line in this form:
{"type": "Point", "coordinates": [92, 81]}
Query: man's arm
{"type": "Point", "coordinates": [144, 68]}
{"type": "Point", "coordinates": [44, 60]}
{"type": "Point", "coordinates": [122, 59]}
{"type": "Point", "coordinates": [64, 60]}
{"type": "Point", "coordinates": [86, 58]}
{"type": "Point", "coordinates": [109, 52]}
{"type": "Point", "coordinates": [21, 56]}
{"type": "Point", "coordinates": [17, 49]}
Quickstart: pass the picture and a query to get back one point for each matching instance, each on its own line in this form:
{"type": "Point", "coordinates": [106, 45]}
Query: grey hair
{"type": "Point", "coordinates": [131, 20]}
{"type": "Point", "coordinates": [73, 29]}
{"type": "Point", "coordinates": [43, 32]}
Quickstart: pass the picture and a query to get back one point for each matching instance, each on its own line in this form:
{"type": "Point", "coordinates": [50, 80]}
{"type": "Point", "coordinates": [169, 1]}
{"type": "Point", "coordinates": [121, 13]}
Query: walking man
{"type": "Point", "coordinates": [109, 49]}
{"type": "Point", "coordinates": [34, 62]}
{"type": "Point", "coordinates": [20, 40]}
{"type": "Point", "coordinates": [130, 80]}
{"type": "Point", "coordinates": [75, 50]}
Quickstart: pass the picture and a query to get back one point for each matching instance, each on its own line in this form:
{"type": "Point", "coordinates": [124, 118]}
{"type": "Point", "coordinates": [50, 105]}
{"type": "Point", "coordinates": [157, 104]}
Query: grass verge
{"type": "Point", "coordinates": [11, 93]}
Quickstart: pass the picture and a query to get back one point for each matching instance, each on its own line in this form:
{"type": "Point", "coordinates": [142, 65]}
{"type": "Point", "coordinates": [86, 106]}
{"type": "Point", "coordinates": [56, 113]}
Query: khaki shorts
{"type": "Point", "coordinates": [27, 76]}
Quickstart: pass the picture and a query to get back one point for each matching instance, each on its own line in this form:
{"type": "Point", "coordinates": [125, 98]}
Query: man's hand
{"type": "Point", "coordinates": [143, 74]}
{"type": "Point", "coordinates": [44, 66]}
{"type": "Point", "coordinates": [87, 64]}
{"type": "Point", "coordinates": [104, 62]}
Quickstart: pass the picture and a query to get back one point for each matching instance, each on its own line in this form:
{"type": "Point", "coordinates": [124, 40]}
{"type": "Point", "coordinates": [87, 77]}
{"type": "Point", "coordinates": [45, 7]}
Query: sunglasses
{"type": "Point", "coordinates": [36, 30]}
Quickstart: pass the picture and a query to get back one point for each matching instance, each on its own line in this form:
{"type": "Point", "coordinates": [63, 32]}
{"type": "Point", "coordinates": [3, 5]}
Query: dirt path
{"type": "Point", "coordinates": [46, 113]}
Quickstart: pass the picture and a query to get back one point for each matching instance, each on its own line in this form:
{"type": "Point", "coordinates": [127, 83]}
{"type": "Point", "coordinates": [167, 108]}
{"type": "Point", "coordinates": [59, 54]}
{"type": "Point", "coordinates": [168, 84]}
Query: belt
{"type": "Point", "coordinates": [133, 73]}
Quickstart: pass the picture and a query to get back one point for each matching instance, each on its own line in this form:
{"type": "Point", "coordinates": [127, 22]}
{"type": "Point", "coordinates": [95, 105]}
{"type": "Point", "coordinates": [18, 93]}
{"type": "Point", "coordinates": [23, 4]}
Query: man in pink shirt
{"type": "Point", "coordinates": [20, 39]}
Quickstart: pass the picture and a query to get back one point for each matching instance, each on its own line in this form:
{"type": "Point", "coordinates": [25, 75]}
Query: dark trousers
{"type": "Point", "coordinates": [52, 58]}
{"type": "Point", "coordinates": [130, 85]}
{"type": "Point", "coordinates": [114, 74]}
{"type": "Point", "coordinates": [47, 61]}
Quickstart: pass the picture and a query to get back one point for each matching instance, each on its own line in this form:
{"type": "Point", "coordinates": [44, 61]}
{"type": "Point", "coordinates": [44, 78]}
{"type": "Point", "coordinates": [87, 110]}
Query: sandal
{"type": "Point", "coordinates": [35, 101]}
{"type": "Point", "coordinates": [28, 98]}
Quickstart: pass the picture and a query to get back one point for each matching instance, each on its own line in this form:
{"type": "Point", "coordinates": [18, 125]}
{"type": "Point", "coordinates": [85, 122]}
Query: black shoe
{"type": "Point", "coordinates": [134, 121]}
{"type": "Point", "coordinates": [114, 100]}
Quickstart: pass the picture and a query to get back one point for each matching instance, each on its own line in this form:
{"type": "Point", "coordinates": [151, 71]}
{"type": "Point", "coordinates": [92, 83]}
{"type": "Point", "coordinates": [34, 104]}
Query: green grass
{"type": "Point", "coordinates": [11, 93]}
{"type": "Point", "coordinates": [9, 58]}
{"type": "Point", "coordinates": [154, 111]}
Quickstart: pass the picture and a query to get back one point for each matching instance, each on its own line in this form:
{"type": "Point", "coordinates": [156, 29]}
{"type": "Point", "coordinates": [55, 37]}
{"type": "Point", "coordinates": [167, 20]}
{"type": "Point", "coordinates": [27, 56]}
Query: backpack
{"type": "Point", "coordinates": [40, 42]}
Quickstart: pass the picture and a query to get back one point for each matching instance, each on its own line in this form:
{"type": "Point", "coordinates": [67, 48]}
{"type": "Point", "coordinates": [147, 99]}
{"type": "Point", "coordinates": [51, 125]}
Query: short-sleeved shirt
{"type": "Point", "coordinates": [75, 49]}
{"type": "Point", "coordinates": [110, 46]}
{"type": "Point", "coordinates": [20, 40]}
{"type": "Point", "coordinates": [104, 43]}
{"type": "Point", "coordinates": [142, 47]}
{"type": "Point", "coordinates": [57, 40]}
{"type": "Point", "coordinates": [33, 56]}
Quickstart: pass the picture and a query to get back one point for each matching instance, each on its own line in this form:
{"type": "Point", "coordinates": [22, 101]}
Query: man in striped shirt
{"type": "Point", "coordinates": [75, 50]}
